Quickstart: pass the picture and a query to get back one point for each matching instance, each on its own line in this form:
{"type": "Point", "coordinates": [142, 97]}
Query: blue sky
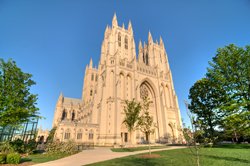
{"type": "Point", "coordinates": [55, 39]}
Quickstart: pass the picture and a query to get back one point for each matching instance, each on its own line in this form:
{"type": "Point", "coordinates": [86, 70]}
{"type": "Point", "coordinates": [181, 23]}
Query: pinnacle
{"type": "Point", "coordinates": [114, 21]}
{"type": "Point", "coordinates": [140, 45]}
{"type": "Point", "coordinates": [91, 63]}
{"type": "Point", "coordinates": [150, 39]}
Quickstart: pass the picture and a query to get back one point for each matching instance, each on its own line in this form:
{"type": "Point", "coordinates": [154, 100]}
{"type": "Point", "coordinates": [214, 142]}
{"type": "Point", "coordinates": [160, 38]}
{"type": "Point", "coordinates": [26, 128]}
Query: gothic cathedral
{"type": "Point", "coordinates": [120, 76]}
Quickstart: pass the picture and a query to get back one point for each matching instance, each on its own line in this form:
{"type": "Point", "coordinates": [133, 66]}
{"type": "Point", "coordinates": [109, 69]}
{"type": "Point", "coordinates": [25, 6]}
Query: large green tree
{"type": "Point", "coordinates": [17, 104]}
{"type": "Point", "coordinates": [132, 111]}
{"type": "Point", "coordinates": [230, 70]}
{"type": "Point", "coordinates": [204, 104]}
{"type": "Point", "coordinates": [225, 91]}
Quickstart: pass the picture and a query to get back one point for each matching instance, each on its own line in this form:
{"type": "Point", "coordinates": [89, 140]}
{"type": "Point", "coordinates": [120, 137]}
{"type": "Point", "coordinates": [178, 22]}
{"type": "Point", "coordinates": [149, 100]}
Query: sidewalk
{"type": "Point", "coordinates": [96, 155]}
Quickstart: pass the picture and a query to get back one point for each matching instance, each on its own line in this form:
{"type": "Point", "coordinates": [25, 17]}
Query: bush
{"type": "Point", "coordinates": [6, 147]}
{"type": "Point", "coordinates": [18, 145]}
{"type": "Point", "coordinates": [69, 147]}
{"type": "Point", "coordinates": [30, 146]}
{"type": "Point", "coordinates": [3, 158]}
{"type": "Point", "coordinates": [13, 158]}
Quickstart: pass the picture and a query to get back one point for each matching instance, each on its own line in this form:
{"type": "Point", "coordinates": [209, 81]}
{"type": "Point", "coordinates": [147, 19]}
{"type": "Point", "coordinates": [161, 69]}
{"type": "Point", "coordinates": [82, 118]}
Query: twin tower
{"type": "Point", "coordinates": [121, 75]}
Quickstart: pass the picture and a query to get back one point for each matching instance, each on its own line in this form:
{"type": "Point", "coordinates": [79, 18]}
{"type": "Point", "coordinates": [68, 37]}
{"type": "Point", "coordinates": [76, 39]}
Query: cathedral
{"type": "Point", "coordinates": [121, 75]}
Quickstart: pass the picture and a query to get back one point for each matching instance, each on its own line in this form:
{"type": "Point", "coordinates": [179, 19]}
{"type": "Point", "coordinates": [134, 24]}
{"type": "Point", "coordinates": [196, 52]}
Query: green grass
{"type": "Point", "coordinates": [41, 158]}
{"type": "Point", "coordinates": [136, 148]}
{"type": "Point", "coordinates": [226, 155]}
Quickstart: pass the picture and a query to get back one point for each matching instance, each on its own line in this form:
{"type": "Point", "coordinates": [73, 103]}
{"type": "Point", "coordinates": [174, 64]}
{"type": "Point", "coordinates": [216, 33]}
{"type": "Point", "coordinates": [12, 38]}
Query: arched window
{"type": "Point", "coordinates": [64, 115]}
{"type": "Point", "coordinates": [91, 135]}
{"type": "Point", "coordinates": [67, 134]}
{"type": "Point", "coordinates": [126, 42]}
{"type": "Point", "coordinates": [79, 134]}
{"type": "Point", "coordinates": [73, 116]}
{"type": "Point", "coordinates": [145, 58]}
{"type": "Point", "coordinates": [92, 77]}
{"type": "Point", "coordinates": [119, 39]}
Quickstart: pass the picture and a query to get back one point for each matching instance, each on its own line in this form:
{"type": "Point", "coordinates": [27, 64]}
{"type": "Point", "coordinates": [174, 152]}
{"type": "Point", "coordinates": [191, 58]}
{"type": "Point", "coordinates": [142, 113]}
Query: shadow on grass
{"type": "Point", "coordinates": [227, 158]}
{"type": "Point", "coordinates": [25, 160]}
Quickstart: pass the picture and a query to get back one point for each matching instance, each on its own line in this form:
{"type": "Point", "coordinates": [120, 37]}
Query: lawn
{"type": "Point", "coordinates": [136, 148]}
{"type": "Point", "coordinates": [225, 155]}
{"type": "Point", "coordinates": [41, 158]}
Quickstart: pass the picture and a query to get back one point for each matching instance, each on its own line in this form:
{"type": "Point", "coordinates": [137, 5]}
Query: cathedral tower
{"type": "Point", "coordinates": [122, 76]}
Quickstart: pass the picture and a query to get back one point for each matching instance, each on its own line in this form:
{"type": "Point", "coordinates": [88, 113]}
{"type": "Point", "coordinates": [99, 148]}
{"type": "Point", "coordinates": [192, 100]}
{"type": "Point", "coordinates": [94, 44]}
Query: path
{"type": "Point", "coordinates": [96, 155]}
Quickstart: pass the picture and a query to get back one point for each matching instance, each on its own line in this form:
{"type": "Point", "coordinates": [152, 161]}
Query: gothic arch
{"type": "Point", "coordinates": [129, 86]}
{"type": "Point", "coordinates": [150, 84]}
{"type": "Point", "coordinates": [152, 89]}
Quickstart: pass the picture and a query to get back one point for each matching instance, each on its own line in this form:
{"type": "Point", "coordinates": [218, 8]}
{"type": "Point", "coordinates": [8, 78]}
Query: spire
{"type": "Point", "coordinates": [161, 42]}
{"type": "Point", "coordinates": [123, 26]}
{"type": "Point", "coordinates": [150, 39]}
{"type": "Point", "coordinates": [140, 55]}
{"type": "Point", "coordinates": [114, 21]}
{"type": "Point", "coordinates": [61, 95]}
{"type": "Point", "coordinates": [140, 45]}
{"type": "Point", "coordinates": [60, 99]}
{"type": "Point", "coordinates": [130, 29]}
{"type": "Point", "coordinates": [90, 63]}
{"type": "Point", "coordinates": [107, 28]}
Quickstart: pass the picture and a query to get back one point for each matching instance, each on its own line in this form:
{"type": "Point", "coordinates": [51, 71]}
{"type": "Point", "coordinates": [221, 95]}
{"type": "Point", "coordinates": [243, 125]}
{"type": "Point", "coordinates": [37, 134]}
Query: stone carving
{"type": "Point", "coordinates": [144, 91]}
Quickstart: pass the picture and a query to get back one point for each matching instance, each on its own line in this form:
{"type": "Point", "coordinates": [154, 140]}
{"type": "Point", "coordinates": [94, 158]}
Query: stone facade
{"type": "Point", "coordinates": [120, 76]}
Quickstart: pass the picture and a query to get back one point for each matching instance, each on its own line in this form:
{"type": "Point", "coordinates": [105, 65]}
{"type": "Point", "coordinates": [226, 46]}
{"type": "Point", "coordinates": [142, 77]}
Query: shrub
{"type": "Point", "coordinates": [69, 147]}
{"type": "Point", "coordinates": [13, 158]}
{"type": "Point", "coordinates": [30, 146]}
{"type": "Point", "coordinates": [18, 145]}
{"type": "Point", "coordinates": [5, 147]}
{"type": "Point", "coordinates": [2, 158]}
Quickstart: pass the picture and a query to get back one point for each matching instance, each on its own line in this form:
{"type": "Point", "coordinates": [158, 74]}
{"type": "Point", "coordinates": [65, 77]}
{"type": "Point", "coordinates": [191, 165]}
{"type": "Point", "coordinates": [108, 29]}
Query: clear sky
{"type": "Point", "coordinates": [55, 39]}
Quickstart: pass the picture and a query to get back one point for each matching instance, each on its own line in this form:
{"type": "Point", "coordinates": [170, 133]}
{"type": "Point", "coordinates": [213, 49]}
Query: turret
{"type": "Point", "coordinates": [140, 55]}
{"type": "Point", "coordinates": [114, 21]}
{"type": "Point", "coordinates": [150, 39]}
{"type": "Point", "coordinates": [60, 99]}
{"type": "Point", "coordinates": [130, 29]}
{"type": "Point", "coordinates": [161, 43]}
{"type": "Point", "coordinates": [90, 63]}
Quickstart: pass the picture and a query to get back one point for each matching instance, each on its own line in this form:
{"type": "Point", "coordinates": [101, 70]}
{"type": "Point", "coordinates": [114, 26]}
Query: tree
{"type": "Point", "coordinates": [17, 104]}
{"type": "Point", "coordinates": [223, 96]}
{"type": "Point", "coordinates": [204, 105]}
{"type": "Point", "coordinates": [132, 112]}
{"type": "Point", "coordinates": [230, 70]}
{"type": "Point", "coordinates": [51, 136]}
{"type": "Point", "coordinates": [146, 122]}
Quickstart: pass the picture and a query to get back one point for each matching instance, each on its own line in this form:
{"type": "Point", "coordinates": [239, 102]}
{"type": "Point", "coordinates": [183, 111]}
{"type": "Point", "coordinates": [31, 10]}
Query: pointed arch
{"type": "Point", "coordinates": [119, 39]}
{"type": "Point", "coordinates": [129, 86]}
{"type": "Point", "coordinates": [64, 114]}
{"type": "Point", "coordinates": [126, 42]}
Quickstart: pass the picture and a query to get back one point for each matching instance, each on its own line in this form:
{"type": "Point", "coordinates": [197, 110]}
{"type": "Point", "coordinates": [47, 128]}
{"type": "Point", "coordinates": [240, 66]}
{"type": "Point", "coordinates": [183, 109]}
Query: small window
{"type": "Point", "coordinates": [91, 92]}
{"type": "Point", "coordinates": [92, 77]}
{"type": "Point", "coordinates": [126, 42]}
{"type": "Point", "coordinates": [119, 39]}
{"type": "Point", "coordinates": [79, 136]}
{"type": "Point", "coordinates": [73, 116]}
{"type": "Point", "coordinates": [67, 136]}
{"type": "Point", "coordinates": [91, 136]}
{"type": "Point", "coordinates": [64, 115]}
{"type": "Point", "coordinates": [96, 77]}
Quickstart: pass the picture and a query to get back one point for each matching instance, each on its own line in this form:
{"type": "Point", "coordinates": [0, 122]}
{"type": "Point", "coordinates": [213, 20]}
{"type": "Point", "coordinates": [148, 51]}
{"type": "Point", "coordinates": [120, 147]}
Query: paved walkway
{"type": "Point", "coordinates": [96, 155]}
